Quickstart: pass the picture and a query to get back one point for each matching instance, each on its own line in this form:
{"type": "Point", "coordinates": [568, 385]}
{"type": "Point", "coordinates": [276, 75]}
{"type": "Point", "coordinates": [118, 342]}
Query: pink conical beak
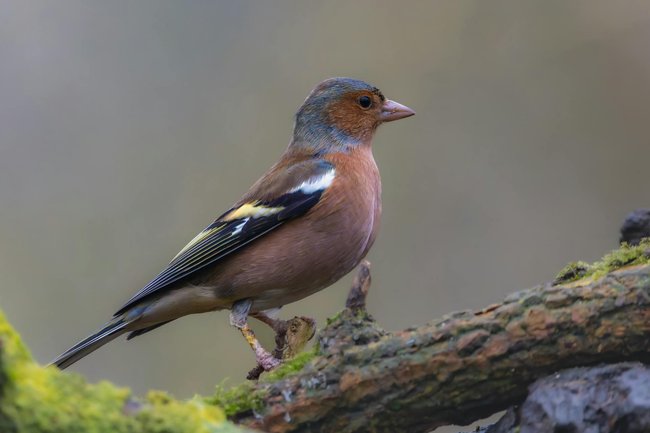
{"type": "Point", "coordinates": [392, 110]}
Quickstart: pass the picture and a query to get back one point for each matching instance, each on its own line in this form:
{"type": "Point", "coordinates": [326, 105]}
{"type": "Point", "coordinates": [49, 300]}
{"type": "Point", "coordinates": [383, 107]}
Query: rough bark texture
{"type": "Point", "coordinates": [455, 370]}
{"type": "Point", "coordinates": [461, 368]}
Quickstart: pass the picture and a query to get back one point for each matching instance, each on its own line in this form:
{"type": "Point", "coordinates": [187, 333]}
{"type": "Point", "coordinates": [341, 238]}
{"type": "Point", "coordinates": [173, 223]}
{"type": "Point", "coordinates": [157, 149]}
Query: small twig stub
{"type": "Point", "coordinates": [359, 291]}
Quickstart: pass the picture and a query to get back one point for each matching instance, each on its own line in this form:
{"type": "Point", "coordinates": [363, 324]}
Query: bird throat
{"type": "Point", "coordinates": [320, 137]}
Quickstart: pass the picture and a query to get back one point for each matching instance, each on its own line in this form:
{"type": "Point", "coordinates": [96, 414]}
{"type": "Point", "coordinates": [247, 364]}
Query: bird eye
{"type": "Point", "coordinates": [365, 101]}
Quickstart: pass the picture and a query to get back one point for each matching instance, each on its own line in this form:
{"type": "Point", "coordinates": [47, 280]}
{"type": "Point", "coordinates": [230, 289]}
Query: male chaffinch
{"type": "Point", "coordinates": [305, 224]}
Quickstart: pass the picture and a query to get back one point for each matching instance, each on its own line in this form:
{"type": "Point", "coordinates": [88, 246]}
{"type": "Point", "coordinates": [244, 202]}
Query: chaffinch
{"type": "Point", "coordinates": [305, 224]}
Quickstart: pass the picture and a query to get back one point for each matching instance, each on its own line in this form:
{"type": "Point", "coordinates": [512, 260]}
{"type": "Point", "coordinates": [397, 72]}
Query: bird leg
{"type": "Point", "coordinates": [238, 319]}
{"type": "Point", "coordinates": [279, 326]}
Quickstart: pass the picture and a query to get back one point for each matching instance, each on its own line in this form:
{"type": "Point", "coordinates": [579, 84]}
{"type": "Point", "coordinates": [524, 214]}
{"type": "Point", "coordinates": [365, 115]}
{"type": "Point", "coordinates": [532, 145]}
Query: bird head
{"type": "Point", "coordinates": [341, 113]}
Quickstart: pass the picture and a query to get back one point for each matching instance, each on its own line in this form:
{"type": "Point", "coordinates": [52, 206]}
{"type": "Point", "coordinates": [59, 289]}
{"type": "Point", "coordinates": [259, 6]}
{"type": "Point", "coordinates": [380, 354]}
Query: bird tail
{"type": "Point", "coordinates": [110, 331]}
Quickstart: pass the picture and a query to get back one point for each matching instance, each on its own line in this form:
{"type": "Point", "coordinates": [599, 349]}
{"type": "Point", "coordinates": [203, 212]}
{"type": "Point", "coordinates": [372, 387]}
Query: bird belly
{"type": "Point", "coordinates": [177, 302]}
{"type": "Point", "coordinates": [295, 264]}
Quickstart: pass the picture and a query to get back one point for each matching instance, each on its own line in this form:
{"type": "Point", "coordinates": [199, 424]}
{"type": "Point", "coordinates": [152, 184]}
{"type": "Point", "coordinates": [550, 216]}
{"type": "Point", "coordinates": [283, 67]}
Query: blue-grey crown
{"type": "Point", "coordinates": [311, 124]}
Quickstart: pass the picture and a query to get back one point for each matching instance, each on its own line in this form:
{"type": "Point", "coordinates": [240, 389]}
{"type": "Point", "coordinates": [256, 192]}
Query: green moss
{"type": "Point", "coordinates": [163, 414]}
{"type": "Point", "coordinates": [235, 400]}
{"type": "Point", "coordinates": [13, 349]}
{"type": "Point", "coordinates": [36, 399]}
{"type": "Point", "coordinates": [334, 318]}
{"type": "Point", "coordinates": [572, 272]}
{"type": "Point", "coordinates": [292, 366]}
{"type": "Point", "coordinates": [625, 255]}
{"type": "Point", "coordinates": [245, 398]}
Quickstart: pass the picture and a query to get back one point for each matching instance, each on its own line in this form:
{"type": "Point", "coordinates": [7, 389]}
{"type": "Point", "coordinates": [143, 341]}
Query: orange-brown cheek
{"type": "Point", "coordinates": [352, 121]}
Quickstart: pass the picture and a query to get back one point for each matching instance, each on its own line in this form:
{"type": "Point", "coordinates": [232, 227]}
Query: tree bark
{"type": "Point", "coordinates": [461, 368]}
{"type": "Point", "coordinates": [452, 371]}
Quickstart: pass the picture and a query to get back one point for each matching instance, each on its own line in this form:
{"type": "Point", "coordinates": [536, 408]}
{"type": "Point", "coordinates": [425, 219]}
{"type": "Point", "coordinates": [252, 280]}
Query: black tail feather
{"type": "Point", "coordinates": [88, 345]}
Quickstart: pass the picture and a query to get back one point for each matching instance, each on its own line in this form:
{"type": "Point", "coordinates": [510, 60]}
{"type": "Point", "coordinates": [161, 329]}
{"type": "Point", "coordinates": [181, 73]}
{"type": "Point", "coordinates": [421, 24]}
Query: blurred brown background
{"type": "Point", "coordinates": [126, 127]}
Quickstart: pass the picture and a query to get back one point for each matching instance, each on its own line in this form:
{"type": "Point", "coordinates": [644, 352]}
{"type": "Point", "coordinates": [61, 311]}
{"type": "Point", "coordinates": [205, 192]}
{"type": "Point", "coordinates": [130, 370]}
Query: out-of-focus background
{"type": "Point", "coordinates": [126, 127]}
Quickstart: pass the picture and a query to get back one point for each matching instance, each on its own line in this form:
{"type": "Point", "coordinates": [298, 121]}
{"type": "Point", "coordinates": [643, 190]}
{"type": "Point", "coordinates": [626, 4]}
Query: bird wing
{"type": "Point", "coordinates": [283, 194]}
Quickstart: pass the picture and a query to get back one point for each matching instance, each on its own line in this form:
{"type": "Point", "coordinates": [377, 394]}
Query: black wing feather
{"type": "Point", "coordinates": [222, 238]}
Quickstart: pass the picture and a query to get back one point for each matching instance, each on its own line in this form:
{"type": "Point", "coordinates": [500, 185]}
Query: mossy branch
{"type": "Point", "coordinates": [360, 378]}
{"type": "Point", "coordinates": [467, 365]}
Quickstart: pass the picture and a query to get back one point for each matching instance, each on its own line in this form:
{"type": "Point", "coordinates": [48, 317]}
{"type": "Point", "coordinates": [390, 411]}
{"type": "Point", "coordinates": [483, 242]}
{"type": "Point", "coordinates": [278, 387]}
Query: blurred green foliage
{"type": "Point", "coordinates": [36, 399]}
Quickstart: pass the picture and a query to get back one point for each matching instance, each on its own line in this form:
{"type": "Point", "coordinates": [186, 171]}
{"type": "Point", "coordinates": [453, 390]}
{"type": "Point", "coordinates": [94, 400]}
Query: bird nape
{"type": "Point", "coordinates": [301, 227]}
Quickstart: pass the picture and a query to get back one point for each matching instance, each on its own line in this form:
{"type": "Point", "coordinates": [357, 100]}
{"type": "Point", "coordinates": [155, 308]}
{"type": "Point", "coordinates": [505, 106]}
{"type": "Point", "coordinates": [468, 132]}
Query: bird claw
{"type": "Point", "coordinates": [267, 361]}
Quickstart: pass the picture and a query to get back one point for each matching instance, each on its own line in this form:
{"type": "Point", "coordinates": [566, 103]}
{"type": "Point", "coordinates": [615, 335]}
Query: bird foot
{"type": "Point", "coordinates": [266, 361]}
